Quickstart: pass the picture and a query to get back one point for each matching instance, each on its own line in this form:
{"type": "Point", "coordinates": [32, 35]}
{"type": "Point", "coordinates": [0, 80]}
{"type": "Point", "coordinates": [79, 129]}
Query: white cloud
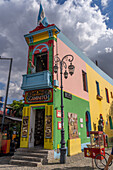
{"type": "Point", "coordinates": [108, 50]}
{"type": "Point", "coordinates": [104, 3]}
{"type": "Point", "coordinates": [81, 23]}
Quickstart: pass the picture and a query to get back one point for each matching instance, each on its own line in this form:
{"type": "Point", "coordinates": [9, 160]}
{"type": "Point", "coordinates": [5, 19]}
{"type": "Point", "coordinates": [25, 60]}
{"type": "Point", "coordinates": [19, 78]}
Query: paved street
{"type": "Point", "coordinates": [77, 162]}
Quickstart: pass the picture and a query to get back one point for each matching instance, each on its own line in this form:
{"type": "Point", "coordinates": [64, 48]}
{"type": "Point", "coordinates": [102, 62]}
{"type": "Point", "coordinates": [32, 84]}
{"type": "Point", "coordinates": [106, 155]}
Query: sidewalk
{"type": "Point", "coordinates": [76, 162]}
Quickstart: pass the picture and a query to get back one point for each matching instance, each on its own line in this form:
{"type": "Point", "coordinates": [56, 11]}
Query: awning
{"type": "Point", "coordinates": [13, 118]}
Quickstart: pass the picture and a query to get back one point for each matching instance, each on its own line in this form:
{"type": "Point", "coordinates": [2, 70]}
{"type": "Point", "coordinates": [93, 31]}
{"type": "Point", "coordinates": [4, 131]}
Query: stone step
{"type": "Point", "coordinates": [25, 163]}
{"type": "Point", "coordinates": [34, 150]}
{"type": "Point", "coordinates": [40, 155]}
{"type": "Point", "coordinates": [27, 158]}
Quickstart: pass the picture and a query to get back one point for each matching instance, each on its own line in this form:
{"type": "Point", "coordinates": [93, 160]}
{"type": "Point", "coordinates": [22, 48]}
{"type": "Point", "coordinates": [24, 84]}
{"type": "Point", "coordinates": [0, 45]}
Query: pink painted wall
{"type": "Point", "coordinates": [74, 83]}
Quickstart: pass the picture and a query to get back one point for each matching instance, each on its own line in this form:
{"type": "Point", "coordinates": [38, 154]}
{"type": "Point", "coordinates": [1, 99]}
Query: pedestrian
{"type": "Point", "coordinates": [32, 67]}
{"type": "Point", "coordinates": [109, 160]}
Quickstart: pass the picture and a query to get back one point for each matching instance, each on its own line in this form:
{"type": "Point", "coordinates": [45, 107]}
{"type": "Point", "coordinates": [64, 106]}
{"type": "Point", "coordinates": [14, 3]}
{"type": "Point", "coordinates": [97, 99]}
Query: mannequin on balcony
{"type": "Point", "coordinates": [31, 66]}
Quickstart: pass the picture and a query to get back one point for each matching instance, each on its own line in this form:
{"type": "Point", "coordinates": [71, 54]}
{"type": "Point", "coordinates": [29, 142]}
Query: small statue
{"type": "Point", "coordinates": [101, 123]}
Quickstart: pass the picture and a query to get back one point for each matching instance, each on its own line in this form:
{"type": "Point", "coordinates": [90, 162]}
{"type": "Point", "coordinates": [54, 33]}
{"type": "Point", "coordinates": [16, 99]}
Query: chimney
{"type": "Point", "coordinates": [96, 63]}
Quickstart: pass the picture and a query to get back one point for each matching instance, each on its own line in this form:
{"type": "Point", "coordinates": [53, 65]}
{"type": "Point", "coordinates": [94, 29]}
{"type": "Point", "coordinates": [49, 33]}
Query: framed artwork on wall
{"type": "Point", "coordinates": [59, 125]}
{"type": "Point", "coordinates": [81, 125]}
{"type": "Point", "coordinates": [81, 120]}
{"type": "Point", "coordinates": [25, 127]}
{"type": "Point", "coordinates": [58, 113]}
{"type": "Point", "coordinates": [48, 127]}
{"type": "Point", "coordinates": [73, 125]}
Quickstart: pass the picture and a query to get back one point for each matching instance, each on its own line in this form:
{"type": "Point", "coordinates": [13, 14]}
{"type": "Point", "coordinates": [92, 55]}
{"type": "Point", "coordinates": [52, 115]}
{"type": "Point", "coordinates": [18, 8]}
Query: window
{"type": "Point", "coordinates": [110, 121]}
{"type": "Point", "coordinates": [107, 96]}
{"type": "Point", "coordinates": [41, 62]}
{"type": "Point", "coordinates": [88, 124]}
{"type": "Point", "coordinates": [98, 89]}
{"type": "Point", "coordinates": [85, 85]}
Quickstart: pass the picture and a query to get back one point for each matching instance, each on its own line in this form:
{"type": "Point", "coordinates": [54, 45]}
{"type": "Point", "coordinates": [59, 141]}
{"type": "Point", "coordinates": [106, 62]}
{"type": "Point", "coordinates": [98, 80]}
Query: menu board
{"type": "Point", "coordinates": [25, 126]}
{"type": "Point", "coordinates": [73, 127]}
{"type": "Point", "coordinates": [48, 126]}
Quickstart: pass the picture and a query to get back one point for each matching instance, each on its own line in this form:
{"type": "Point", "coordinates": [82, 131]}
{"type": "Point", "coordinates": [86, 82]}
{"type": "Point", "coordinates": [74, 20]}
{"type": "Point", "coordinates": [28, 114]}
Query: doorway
{"type": "Point", "coordinates": [88, 123]}
{"type": "Point", "coordinates": [41, 62]}
{"type": "Point", "coordinates": [39, 127]}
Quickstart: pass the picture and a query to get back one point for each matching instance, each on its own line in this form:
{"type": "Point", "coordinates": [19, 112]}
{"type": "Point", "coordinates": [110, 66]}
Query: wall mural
{"type": "Point", "coordinates": [48, 126]}
{"type": "Point", "coordinates": [73, 126]}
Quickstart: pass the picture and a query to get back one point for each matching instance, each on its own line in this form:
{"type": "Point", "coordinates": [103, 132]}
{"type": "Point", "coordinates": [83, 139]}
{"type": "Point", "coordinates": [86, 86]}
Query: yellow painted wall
{"type": "Point", "coordinates": [74, 146]}
{"type": "Point", "coordinates": [98, 107]}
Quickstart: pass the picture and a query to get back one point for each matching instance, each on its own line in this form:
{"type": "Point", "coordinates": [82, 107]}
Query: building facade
{"type": "Point", "coordinates": [87, 94]}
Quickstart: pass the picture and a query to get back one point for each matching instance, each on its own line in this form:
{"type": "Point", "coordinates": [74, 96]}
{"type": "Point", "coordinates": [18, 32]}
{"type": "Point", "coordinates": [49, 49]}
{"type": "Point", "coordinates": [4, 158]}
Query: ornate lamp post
{"type": "Point", "coordinates": [6, 90]}
{"type": "Point", "coordinates": [71, 71]}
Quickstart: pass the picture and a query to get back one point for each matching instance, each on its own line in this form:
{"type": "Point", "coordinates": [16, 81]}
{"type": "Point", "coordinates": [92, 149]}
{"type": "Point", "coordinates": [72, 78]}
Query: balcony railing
{"type": "Point", "coordinates": [37, 81]}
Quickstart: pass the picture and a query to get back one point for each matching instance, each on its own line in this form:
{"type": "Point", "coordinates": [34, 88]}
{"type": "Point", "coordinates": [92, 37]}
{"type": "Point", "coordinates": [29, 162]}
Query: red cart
{"type": "Point", "coordinates": [96, 149]}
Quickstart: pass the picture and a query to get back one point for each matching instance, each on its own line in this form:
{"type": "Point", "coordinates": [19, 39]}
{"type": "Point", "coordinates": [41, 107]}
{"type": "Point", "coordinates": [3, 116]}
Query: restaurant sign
{"type": "Point", "coordinates": [39, 96]}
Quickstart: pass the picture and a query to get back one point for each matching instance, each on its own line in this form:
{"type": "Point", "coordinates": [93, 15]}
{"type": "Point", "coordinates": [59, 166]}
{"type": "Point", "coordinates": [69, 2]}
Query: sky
{"type": "Point", "coordinates": [87, 23]}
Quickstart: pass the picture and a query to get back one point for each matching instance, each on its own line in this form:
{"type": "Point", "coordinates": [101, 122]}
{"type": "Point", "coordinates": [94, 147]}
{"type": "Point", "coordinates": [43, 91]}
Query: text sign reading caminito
{"type": "Point", "coordinates": [39, 96]}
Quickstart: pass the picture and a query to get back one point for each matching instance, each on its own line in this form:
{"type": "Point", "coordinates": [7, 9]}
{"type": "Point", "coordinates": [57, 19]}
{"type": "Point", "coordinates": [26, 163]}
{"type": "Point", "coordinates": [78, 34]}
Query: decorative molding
{"type": "Point", "coordinates": [31, 39]}
{"type": "Point", "coordinates": [44, 46]}
{"type": "Point", "coordinates": [38, 30]}
{"type": "Point", "coordinates": [50, 33]}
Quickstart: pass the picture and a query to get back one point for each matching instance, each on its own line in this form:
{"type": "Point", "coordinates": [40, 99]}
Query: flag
{"type": "Point", "coordinates": [41, 17]}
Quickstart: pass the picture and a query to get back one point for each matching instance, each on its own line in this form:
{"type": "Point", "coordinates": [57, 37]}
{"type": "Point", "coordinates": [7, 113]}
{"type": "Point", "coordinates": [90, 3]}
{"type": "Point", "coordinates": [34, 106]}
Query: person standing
{"type": "Point", "coordinates": [109, 160]}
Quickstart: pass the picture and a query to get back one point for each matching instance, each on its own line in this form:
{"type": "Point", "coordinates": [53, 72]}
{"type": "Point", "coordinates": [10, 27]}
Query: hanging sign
{"type": "Point", "coordinates": [39, 96]}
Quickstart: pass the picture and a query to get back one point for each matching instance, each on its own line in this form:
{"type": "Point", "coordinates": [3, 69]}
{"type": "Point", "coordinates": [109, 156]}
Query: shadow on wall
{"type": "Point", "coordinates": [108, 124]}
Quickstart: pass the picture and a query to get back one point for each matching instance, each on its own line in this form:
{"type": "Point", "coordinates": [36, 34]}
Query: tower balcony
{"type": "Point", "coordinates": [38, 80]}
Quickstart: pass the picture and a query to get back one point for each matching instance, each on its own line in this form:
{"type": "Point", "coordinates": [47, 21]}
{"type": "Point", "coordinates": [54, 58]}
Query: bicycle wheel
{"type": "Point", "coordinates": [100, 161]}
{"type": "Point", "coordinates": [107, 156]}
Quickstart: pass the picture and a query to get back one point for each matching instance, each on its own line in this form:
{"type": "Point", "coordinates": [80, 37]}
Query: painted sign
{"type": "Point", "coordinates": [39, 96]}
{"type": "Point", "coordinates": [48, 126]}
{"type": "Point", "coordinates": [68, 95]}
{"type": "Point", "coordinates": [25, 126]}
{"type": "Point", "coordinates": [73, 126]}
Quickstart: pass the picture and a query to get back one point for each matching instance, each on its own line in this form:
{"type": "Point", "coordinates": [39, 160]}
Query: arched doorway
{"type": "Point", "coordinates": [88, 123]}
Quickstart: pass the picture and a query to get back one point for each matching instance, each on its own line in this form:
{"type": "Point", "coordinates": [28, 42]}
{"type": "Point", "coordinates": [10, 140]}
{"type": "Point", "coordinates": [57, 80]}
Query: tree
{"type": "Point", "coordinates": [17, 107]}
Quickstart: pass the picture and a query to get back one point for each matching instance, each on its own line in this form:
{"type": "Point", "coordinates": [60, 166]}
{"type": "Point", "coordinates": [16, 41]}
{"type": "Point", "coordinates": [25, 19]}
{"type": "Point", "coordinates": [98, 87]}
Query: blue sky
{"type": "Point", "coordinates": [87, 23]}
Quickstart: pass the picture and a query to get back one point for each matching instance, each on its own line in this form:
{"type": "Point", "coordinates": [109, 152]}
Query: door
{"type": "Point", "coordinates": [88, 123]}
{"type": "Point", "coordinates": [31, 130]}
{"type": "Point", "coordinates": [39, 127]}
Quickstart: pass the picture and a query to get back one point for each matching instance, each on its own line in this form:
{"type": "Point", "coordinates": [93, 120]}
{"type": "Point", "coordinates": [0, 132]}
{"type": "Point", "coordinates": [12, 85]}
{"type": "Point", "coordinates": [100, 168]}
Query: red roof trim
{"type": "Point", "coordinates": [41, 27]}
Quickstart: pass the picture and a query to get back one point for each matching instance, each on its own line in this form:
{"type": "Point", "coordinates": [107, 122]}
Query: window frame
{"type": "Point", "coordinates": [98, 88]}
{"type": "Point", "coordinates": [84, 79]}
{"type": "Point", "coordinates": [107, 95]}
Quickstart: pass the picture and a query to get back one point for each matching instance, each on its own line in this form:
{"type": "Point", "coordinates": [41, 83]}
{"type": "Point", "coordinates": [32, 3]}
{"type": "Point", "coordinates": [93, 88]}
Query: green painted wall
{"type": "Point", "coordinates": [76, 105]}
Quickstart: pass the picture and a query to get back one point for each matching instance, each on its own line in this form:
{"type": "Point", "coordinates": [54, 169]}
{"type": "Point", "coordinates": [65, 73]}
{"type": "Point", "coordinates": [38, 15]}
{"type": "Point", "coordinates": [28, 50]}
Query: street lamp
{"type": "Point", "coordinates": [6, 90]}
{"type": "Point", "coordinates": [71, 71]}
